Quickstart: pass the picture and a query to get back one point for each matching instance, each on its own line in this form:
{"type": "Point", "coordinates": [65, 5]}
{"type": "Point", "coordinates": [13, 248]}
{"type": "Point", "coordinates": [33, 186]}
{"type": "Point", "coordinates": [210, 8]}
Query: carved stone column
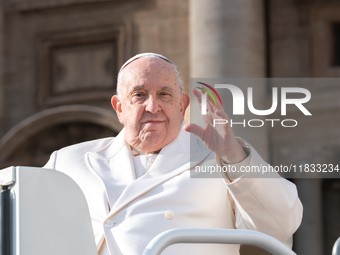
{"type": "Point", "coordinates": [227, 40]}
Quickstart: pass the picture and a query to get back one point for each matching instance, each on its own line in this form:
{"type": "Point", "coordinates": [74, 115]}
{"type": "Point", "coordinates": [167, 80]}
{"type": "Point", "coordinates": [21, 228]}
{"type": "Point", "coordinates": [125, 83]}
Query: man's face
{"type": "Point", "coordinates": [151, 106]}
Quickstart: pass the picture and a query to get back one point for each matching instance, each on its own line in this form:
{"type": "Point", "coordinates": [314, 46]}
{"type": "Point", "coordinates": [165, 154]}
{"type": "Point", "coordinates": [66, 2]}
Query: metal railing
{"type": "Point", "coordinates": [5, 234]}
{"type": "Point", "coordinates": [336, 247]}
{"type": "Point", "coordinates": [226, 236]}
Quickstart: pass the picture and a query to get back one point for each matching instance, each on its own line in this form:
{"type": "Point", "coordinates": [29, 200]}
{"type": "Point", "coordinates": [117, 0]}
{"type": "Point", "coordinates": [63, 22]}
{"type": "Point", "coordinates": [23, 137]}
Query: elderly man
{"type": "Point", "coordinates": [139, 183]}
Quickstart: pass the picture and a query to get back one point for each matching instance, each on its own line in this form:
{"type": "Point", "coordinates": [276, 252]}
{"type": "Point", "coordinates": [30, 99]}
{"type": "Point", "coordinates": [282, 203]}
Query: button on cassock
{"type": "Point", "coordinates": [109, 224]}
{"type": "Point", "coordinates": [169, 215]}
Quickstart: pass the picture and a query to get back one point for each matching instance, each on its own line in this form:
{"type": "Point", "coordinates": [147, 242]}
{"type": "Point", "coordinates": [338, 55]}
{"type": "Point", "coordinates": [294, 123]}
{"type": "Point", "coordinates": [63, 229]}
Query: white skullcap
{"type": "Point", "coordinates": [145, 55]}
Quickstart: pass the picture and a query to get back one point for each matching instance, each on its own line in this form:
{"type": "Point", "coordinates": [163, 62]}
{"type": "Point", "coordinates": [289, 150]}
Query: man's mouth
{"type": "Point", "coordinates": [153, 122]}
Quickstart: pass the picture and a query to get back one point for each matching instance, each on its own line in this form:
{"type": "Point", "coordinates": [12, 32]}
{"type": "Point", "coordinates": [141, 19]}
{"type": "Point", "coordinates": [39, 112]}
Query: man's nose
{"type": "Point", "coordinates": [152, 105]}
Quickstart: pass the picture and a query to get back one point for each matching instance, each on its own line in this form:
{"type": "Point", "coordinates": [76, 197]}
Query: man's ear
{"type": "Point", "coordinates": [185, 102]}
{"type": "Point", "coordinates": [117, 105]}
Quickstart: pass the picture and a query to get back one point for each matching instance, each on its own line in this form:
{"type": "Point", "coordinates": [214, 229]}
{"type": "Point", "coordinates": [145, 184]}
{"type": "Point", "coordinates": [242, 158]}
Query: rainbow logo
{"type": "Point", "coordinates": [209, 93]}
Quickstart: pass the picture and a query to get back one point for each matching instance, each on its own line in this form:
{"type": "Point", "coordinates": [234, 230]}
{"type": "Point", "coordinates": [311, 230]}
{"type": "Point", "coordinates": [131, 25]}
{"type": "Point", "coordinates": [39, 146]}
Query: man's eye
{"type": "Point", "coordinates": [138, 95]}
{"type": "Point", "coordinates": [164, 94]}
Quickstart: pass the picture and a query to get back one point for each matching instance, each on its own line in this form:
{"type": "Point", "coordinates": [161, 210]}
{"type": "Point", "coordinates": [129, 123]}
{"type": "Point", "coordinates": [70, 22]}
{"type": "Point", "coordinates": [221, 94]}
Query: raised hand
{"type": "Point", "coordinates": [219, 139]}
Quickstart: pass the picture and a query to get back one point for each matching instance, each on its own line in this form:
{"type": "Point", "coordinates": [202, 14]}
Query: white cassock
{"type": "Point", "coordinates": [127, 212]}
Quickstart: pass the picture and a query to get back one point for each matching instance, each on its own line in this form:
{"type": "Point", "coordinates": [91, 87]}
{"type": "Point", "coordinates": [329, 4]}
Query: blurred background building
{"type": "Point", "coordinates": [59, 61]}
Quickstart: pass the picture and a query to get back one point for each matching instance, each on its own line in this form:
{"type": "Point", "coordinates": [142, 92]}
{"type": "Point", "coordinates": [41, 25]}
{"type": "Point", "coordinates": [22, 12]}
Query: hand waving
{"type": "Point", "coordinates": [219, 139]}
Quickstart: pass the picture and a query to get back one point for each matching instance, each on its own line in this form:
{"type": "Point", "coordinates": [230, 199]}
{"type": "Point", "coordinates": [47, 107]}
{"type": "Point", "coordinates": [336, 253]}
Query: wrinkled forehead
{"type": "Point", "coordinates": [149, 69]}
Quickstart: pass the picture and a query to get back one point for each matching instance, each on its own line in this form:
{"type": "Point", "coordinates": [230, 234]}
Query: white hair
{"type": "Point", "coordinates": [149, 55]}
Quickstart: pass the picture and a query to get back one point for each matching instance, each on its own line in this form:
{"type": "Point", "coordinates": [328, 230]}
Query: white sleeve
{"type": "Point", "coordinates": [265, 202]}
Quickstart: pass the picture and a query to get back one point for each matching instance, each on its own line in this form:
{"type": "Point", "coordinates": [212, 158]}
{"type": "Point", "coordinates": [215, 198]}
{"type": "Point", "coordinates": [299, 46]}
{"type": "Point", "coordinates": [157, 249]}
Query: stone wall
{"type": "Point", "coordinates": [1, 69]}
{"type": "Point", "coordinates": [303, 43]}
{"type": "Point", "coordinates": [68, 53]}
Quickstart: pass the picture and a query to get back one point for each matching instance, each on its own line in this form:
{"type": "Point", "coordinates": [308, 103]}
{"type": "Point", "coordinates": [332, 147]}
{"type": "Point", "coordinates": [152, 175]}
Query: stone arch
{"type": "Point", "coordinates": [32, 140]}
